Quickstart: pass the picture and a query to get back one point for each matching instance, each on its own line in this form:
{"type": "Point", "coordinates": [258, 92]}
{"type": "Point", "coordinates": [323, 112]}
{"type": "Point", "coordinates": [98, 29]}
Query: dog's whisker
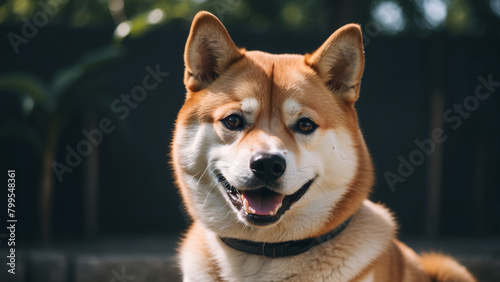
{"type": "Point", "coordinates": [314, 183]}
{"type": "Point", "coordinates": [312, 166]}
{"type": "Point", "coordinates": [208, 194]}
{"type": "Point", "coordinates": [199, 179]}
{"type": "Point", "coordinates": [214, 182]}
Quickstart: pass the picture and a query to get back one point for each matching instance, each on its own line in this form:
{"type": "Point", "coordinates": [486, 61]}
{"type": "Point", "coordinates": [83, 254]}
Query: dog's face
{"type": "Point", "coordinates": [267, 147]}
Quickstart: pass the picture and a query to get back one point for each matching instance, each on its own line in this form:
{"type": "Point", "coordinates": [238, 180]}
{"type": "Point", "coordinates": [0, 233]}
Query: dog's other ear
{"type": "Point", "coordinates": [340, 61]}
{"type": "Point", "coordinates": [209, 51]}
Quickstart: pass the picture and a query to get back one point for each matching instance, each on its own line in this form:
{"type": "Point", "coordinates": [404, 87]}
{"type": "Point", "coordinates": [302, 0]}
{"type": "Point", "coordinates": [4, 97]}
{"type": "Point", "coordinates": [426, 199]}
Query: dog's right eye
{"type": "Point", "coordinates": [234, 122]}
{"type": "Point", "coordinates": [305, 126]}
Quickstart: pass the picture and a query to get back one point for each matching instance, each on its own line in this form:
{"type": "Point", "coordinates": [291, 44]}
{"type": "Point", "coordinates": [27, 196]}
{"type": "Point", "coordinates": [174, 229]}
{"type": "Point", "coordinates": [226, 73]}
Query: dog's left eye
{"type": "Point", "coordinates": [305, 126]}
{"type": "Point", "coordinates": [234, 122]}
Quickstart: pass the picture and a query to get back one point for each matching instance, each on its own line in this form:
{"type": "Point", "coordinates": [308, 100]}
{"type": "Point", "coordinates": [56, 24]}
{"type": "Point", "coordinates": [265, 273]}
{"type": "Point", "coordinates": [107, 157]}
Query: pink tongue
{"type": "Point", "coordinates": [263, 204]}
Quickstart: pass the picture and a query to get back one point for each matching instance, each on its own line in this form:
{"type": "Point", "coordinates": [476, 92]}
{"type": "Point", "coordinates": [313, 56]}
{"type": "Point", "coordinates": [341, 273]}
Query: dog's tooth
{"type": "Point", "coordinates": [246, 205]}
{"type": "Point", "coordinates": [248, 208]}
{"type": "Point", "coordinates": [276, 209]}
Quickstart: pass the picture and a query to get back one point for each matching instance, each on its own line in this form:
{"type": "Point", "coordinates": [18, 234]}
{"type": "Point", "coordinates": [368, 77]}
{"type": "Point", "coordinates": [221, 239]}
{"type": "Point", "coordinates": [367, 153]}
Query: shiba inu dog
{"type": "Point", "coordinates": [274, 171]}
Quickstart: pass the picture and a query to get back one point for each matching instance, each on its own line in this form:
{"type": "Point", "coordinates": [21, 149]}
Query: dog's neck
{"type": "Point", "coordinates": [369, 233]}
{"type": "Point", "coordinates": [283, 249]}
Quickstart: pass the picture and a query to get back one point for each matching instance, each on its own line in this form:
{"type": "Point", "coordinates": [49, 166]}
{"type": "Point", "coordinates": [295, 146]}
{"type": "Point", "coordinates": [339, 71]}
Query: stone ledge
{"type": "Point", "coordinates": [138, 268]}
{"type": "Point", "coordinates": [153, 260]}
{"type": "Point", "coordinates": [59, 267]}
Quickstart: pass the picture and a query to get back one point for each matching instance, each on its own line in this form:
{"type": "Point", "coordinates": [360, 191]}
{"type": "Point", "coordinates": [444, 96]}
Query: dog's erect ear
{"type": "Point", "coordinates": [209, 51]}
{"type": "Point", "coordinates": [340, 61]}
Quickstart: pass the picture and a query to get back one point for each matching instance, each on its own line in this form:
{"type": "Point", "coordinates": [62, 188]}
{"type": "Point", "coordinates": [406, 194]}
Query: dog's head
{"type": "Point", "coordinates": [267, 147]}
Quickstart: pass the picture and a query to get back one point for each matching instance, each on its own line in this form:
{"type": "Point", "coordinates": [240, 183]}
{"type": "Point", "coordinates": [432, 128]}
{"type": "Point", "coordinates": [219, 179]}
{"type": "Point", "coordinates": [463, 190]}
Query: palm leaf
{"type": "Point", "coordinates": [64, 80]}
{"type": "Point", "coordinates": [22, 131]}
{"type": "Point", "coordinates": [24, 84]}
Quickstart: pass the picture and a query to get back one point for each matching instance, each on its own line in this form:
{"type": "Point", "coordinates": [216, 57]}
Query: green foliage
{"type": "Point", "coordinates": [58, 100]}
{"type": "Point", "coordinates": [24, 84]}
{"type": "Point", "coordinates": [462, 16]}
{"type": "Point", "coordinates": [23, 132]}
{"type": "Point", "coordinates": [48, 107]}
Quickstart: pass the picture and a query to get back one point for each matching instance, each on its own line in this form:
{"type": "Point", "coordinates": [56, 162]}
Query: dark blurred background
{"type": "Point", "coordinates": [66, 64]}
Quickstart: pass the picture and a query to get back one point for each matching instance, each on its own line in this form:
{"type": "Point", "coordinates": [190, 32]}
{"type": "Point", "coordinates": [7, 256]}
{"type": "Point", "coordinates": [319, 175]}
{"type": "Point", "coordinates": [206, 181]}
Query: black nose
{"type": "Point", "coordinates": [267, 167]}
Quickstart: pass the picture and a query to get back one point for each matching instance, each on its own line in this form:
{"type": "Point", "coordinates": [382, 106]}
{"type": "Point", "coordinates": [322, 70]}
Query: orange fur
{"type": "Point", "coordinates": [326, 83]}
{"type": "Point", "coordinates": [443, 268]}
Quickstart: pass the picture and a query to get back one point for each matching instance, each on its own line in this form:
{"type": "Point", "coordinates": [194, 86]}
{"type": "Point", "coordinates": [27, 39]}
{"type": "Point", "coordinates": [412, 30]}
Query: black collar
{"type": "Point", "coordinates": [282, 249]}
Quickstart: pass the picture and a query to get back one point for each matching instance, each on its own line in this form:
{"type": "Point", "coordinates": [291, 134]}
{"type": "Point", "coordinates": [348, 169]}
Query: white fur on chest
{"type": "Point", "coordinates": [340, 259]}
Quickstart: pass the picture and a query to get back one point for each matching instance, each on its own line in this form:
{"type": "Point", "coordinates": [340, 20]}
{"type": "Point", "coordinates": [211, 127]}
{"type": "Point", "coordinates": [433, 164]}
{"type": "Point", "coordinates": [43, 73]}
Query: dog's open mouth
{"type": "Point", "coordinates": [261, 206]}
